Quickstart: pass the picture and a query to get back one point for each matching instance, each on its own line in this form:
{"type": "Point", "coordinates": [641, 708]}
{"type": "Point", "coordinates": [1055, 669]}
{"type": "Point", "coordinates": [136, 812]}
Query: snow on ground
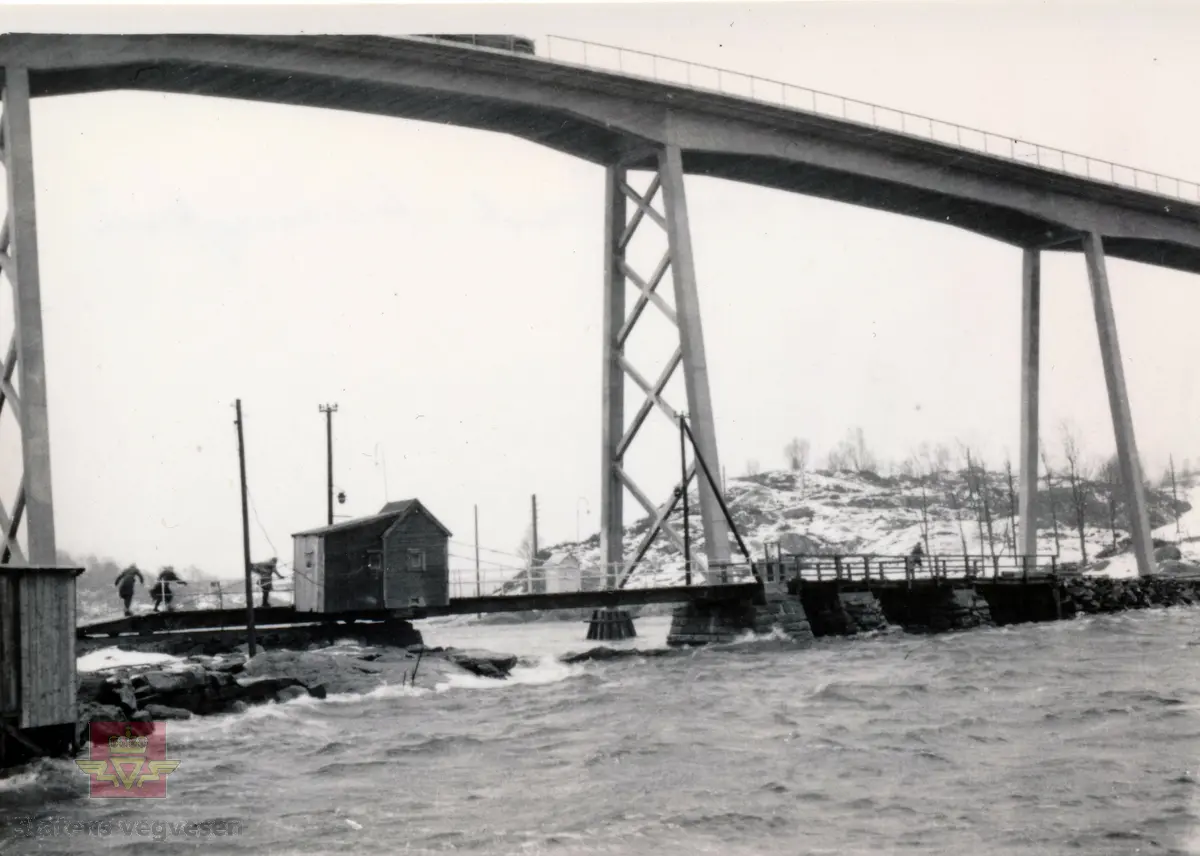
{"type": "Point", "coordinates": [860, 514]}
{"type": "Point", "coordinates": [110, 658]}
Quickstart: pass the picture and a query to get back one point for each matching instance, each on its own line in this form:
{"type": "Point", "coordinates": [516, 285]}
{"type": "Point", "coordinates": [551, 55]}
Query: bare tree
{"type": "Point", "coordinates": [972, 493]}
{"type": "Point", "coordinates": [956, 508]}
{"type": "Point", "coordinates": [752, 468]}
{"type": "Point", "coordinates": [1012, 504]}
{"type": "Point", "coordinates": [1110, 475]}
{"type": "Point", "coordinates": [852, 453]}
{"type": "Point", "coordinates": [1077, 475]}
{"type": "Point", "coordinates": [796, 452]}
{"type": "Point", "coordinates": [985, 505]}
{"type": "Point", "coordinates": [941, 460]}
{"type": "Point", "coordinates": [925, 516]}
{"type": "Point", "coordinates": [1174, 496]}
{"type": "Point", "coordinates": [1050, 499]}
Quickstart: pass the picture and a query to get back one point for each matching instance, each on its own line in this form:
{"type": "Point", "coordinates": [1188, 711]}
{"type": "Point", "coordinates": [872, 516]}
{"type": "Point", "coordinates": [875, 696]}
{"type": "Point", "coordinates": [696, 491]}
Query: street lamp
{"type": "Point", "coordinates": [589, 511]}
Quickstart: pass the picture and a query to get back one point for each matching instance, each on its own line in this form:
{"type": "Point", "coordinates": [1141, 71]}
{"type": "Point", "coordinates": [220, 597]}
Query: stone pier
{"type": "Point", "coordinates": [700, 623]}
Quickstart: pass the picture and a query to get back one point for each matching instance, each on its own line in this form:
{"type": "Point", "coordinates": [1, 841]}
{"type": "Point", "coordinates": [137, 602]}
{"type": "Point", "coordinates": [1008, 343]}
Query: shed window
{"type": "Point", "coordinates": [416, 560]}
{"type": "Point", "coordinates": [374, 560]}
{"type": "Point", "coordinates": [308, 557]}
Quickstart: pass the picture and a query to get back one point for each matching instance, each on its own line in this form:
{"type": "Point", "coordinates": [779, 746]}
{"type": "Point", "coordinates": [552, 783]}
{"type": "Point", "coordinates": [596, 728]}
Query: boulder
{"type": "Point", "coordinates": [1168, 551]}
{"type": "Point", "coordinates": [488, 664]}
{"type": "Point", "coordinates": [121, 690]}
{"type": "Point", "coordinates": [262, 689]}
{"type": "Point", "coordinates": [292, 692]}
{"type": "Point", "coordinates": [158, 712]}
{"type": "Point", "coordinates": [1179, 569]}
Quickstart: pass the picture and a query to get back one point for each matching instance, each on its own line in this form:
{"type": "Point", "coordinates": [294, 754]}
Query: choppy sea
{"type": "Point", "coordinates": [1077, 737]}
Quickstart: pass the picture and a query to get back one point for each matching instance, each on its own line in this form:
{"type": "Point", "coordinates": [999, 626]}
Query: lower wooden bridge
{"type": "Point", "coordinates": [815, 594]}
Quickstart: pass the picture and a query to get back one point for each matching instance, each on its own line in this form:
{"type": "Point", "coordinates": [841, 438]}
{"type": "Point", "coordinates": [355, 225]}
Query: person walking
{"type": "Point", "coordinates": [267, 571]}
{"type": "Point", "coordinates": [125, 583]}
{"type": "Point", "coordinates": [162, 588]}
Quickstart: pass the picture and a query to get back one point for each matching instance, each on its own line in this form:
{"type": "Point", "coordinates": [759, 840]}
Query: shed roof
{"type": "Point", "coordinates": [391, 511]}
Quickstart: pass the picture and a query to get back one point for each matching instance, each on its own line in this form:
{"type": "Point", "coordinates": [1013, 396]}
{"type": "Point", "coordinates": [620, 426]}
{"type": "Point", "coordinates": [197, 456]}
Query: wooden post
{"type": "Point", "coordinates": [250, 640]}
{"type": "Point", "coordinates": [478, 587]}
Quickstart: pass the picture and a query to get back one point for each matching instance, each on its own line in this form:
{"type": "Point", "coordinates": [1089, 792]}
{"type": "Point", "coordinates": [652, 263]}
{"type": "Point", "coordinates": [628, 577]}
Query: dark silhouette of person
{"type": "Point", "coordinates": [125, 582]}
{"type": "Point", "coordinates": [162, 588]}
{"type": "Point", "coordinates": [917, 553]}
{"type": "Point", "coordinates": [267, 571]}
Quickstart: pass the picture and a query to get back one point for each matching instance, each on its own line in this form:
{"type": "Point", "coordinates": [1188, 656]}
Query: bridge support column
{"type": "Point", "coordinates": [1031, 288]}
{"type": "Point", "coordinates": [19, 263]}
{"type": "Point", "coordinates": [1118, 402]}
{"type": "Point", "coordinates": [617, 435]}
{"type": "Point", "coordinates": [611, 625]}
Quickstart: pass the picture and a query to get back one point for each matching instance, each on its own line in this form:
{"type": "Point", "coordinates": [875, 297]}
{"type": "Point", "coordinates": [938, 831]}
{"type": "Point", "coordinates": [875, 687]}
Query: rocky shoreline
{"type": "Point", "coordinates": [208, 685]}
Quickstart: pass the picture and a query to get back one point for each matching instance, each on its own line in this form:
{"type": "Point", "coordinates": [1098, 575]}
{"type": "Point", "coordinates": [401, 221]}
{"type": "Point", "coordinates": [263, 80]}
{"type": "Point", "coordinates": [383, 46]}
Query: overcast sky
{"type": "Point", "coordinates": [443, 286]}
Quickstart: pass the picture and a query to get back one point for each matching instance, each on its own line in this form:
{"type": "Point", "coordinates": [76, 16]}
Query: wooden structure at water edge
{"type": "Point", "coordinates": [37, 662]}
{"type": "Point", "coordinates": [611, 625]}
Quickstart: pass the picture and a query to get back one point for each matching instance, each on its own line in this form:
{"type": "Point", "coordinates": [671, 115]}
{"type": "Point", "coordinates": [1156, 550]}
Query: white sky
{"type": "Point", "coordinates": [444, 286]}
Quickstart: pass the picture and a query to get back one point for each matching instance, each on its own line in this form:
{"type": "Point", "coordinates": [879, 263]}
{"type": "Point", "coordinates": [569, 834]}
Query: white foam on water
{"type": "Point", "coordinates": [109, 658]}
{"type": "Point", "coordinates": [546, 670]}
{"type": "Point", "coordinates": [19, 781]}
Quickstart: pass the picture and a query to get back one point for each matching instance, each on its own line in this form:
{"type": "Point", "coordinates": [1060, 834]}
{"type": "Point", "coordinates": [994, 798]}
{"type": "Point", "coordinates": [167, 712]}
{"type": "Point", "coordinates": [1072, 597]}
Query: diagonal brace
{"type": "Point", "coordinates": [643, 208]}
{"type": "Point", "coordinates": [7, 393]}
{"type": "Point", "coordinates": [649, 295]}
{"type": "Point", "coordinates": [8, 528]}
{"type": "Point", "coordinates": [651, 392]}
{"type": "Point", "coordinates": [650, 508]}
{"type": "Point", "coordinates": [659, 385]}
{"type": "Point", "coordinates": [659, 523]}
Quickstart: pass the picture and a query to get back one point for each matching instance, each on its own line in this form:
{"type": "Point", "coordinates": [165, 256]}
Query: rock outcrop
{"type": "Point", "coordinates": [201, 686]}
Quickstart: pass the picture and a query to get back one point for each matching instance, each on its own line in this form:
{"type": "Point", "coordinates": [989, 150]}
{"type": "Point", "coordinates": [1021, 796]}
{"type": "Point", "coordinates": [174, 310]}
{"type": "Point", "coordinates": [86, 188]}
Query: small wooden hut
{"type": "Point", "coordinates": [37, 662]}
{"type": "Point", "coordinates": [396, 559]}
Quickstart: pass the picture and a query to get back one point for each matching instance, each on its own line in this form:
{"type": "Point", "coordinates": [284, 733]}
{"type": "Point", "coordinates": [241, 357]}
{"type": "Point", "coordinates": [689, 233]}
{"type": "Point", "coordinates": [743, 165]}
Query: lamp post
{"type": "Point", "coordinates": [589, 511]}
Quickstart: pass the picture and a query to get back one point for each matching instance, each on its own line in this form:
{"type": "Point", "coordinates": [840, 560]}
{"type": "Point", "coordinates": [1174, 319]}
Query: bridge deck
{"type": "Point", "coordinates": [608, 117]}
{"type": "Point", "coordinates": [199, 619]}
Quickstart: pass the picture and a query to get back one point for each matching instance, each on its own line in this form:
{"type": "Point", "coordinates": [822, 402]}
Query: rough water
{"type": "Point", "coordinates": [1074, 737]}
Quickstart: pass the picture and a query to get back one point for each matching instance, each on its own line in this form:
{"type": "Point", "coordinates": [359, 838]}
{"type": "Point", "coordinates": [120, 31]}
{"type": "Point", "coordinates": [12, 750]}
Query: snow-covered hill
{"type": "Point", "coordinates": [862, 513]}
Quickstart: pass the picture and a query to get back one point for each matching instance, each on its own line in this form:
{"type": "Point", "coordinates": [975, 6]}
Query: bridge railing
{"type": "Point", "coordinates": [867, 568]}
{"type": "Point", "coordinates": [633, 63]}
{"type": "Point", "coordinates": [568, 579]}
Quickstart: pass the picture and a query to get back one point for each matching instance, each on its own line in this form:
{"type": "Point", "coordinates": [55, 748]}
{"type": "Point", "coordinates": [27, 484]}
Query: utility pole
{"type": "Point", "coordinates": [1175, 498]}
{"type": "Point", "coordinates": [250, 640]}
{"type": "Point", "coordinates": [329, 410]}
{"type": "Point", "coordinates": [478, 589]}
{"type": "Point", "coordinates": [534, 546]}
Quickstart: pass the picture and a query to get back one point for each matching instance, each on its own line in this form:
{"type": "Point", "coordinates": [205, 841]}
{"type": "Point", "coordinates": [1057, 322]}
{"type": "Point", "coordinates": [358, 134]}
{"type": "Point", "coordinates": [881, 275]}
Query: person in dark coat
{"type": "Point", "coordinates": [162, 588]}
{"type": "Point", "coordinates": [125, 582]}
{"type": "Point", "coordinates": [267, 571]}
{"type": "Point", "coordinates": [917, 553]}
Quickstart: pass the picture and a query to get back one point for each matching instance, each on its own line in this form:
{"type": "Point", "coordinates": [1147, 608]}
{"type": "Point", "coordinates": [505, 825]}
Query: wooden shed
{"type": "Point", "coordinates": [37, 662]}
{"type": "Point", "coordinates": [396, 559]}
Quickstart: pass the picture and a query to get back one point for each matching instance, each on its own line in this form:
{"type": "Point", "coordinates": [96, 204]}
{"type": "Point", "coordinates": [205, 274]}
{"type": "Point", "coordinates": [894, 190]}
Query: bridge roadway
{"type": "Point", "coordinates": [206, 619]}
{"type": "Point", "coordinates": [833, 572]}
{"type": "Point", "coordinates": [612, 118]}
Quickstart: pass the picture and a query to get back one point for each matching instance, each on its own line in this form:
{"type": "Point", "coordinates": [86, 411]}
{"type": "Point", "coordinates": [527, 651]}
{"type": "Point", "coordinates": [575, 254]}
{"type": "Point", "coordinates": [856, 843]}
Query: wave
{"type": "Point", "coordinates": [547, 669]}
